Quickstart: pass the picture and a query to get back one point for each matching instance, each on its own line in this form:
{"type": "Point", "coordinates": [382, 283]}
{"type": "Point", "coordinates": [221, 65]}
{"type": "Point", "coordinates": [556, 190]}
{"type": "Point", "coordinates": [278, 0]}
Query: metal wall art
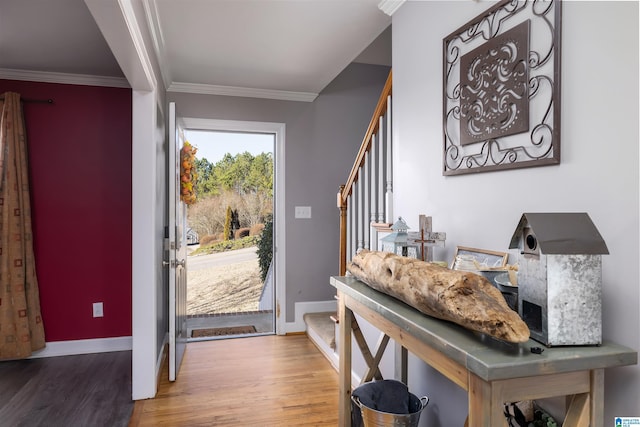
{"type": "Point", "coordinates": [501, 90]}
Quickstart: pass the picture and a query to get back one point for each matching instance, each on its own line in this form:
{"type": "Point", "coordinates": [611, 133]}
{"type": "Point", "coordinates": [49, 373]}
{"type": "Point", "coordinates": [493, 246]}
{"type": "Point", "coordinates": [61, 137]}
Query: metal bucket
{"type": "Point", "coordinates": [374, 418]}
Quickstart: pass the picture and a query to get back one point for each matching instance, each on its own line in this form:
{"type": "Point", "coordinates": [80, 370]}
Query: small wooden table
{"type": "Point", "coordinates": [492, 372]}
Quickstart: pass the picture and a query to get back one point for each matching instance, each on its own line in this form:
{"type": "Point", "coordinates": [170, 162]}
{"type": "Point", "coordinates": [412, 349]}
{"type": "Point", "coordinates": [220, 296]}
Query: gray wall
{"type": "Point", "coordinates": [598, 173]}
{"type": "Point", "coordinates": [322, 139]}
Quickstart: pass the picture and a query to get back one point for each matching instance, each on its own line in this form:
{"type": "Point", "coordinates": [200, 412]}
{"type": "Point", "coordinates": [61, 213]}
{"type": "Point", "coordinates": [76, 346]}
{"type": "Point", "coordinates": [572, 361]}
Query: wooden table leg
{"type": "Point", "coordinates": [597, 397]}
{"type": "Point", "coordinates": [485, 404]}
{"type": "Point", "coordinates": [479, 402]}
{"type": "Point", "coordinates": [401, 358]}
{"type": "Point", "coordinates": [344, 363]}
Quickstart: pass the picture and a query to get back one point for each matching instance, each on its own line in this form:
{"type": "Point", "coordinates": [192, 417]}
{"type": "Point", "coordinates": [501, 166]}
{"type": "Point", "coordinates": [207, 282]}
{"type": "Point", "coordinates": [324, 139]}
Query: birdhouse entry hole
{"type": "Point", "coordinates": [532, 243]}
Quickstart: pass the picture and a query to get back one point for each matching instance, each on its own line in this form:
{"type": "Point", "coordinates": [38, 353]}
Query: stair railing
{"type": "Point", "coordinates": [365, 200]}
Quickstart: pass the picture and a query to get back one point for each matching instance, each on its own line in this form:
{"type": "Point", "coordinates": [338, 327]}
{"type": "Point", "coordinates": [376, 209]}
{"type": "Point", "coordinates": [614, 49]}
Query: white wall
{"type": "Point", "coordinates": [598, 173]}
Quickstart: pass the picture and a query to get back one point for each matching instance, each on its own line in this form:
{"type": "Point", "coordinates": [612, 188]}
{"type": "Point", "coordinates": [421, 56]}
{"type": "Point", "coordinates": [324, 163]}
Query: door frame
{"type": "Point", "coordinates": [278, 129]}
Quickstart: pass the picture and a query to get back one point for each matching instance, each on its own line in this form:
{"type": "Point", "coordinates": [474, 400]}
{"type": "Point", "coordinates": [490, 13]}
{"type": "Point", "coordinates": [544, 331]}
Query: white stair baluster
{"type": "Point", "coordinates": [388, 171]}
{"type": "Point", "coordinates": [349, 226]}
{"type": "Point", "coordinates": [367, 196]}
{"type": "Point", "coordinates": [354, 220]}
{"type": "Point", "coordinates": [374, 192]}
{"type": "Point", "coordinates": [381, 163]}
{"type": "Point", "coordinates": [360, 212]}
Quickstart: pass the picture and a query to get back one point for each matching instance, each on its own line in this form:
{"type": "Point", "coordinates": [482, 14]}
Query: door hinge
{"type": "Point", "coordinates": [168, 245]}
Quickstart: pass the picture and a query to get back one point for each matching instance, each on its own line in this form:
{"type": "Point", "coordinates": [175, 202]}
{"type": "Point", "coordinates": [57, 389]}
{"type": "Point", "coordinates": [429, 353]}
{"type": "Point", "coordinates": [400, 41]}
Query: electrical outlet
{"type": "Point", "coordinates": [303, 212]}
{"type": "Point", "coordinates": [97, 309]}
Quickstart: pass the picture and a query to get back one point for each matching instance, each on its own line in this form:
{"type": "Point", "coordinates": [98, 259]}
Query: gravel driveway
{"type": "Point", "coordinates": [227, 282]}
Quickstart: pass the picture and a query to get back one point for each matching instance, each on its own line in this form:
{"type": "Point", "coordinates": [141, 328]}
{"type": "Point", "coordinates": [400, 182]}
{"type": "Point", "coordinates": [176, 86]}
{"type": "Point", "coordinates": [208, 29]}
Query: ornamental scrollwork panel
{"type": "Point", "coordinates": [501, 90]}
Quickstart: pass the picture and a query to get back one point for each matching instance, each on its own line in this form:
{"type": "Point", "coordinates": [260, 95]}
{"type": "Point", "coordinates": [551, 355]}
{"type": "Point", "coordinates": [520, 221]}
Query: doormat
{"type": "Point", "coordinates": [215, 332]}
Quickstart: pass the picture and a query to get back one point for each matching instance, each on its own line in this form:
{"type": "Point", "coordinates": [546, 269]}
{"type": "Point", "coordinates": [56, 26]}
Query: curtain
{"type": "Point", "coordinates": [21, 327]}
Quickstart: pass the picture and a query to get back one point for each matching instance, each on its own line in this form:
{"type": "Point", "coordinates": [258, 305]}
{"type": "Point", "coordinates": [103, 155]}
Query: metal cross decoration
{"type": "Point", "coordinates": [426, 238]}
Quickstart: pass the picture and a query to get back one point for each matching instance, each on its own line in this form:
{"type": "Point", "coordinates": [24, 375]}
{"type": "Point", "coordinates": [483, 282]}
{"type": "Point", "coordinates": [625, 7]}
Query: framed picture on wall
{"type": "Point", "coordinates": [501, 89]}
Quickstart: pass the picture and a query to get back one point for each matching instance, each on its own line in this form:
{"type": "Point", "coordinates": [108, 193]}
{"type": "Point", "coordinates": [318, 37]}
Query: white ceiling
{"type": "Point", "coordinates": [295, 46]}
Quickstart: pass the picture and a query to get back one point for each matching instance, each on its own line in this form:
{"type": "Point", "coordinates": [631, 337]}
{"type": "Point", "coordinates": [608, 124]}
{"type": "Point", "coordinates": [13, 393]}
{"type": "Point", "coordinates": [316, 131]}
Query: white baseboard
{"type": "Point", "coordinates": [97, 345]}
{"type": "Point", "coordinates": [301, 308]}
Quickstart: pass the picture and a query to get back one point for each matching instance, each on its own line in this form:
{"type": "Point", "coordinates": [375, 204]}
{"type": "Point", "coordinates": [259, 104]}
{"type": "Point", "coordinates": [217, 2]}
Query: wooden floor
{"type": "Point", "coordinates": [257, 381]}
{"type": "Point", "coordinates": [84, 390]}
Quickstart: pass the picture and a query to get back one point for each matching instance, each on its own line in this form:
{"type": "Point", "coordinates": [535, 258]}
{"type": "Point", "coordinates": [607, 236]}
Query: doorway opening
{"type": "Point", "coordinates": [230, 274]}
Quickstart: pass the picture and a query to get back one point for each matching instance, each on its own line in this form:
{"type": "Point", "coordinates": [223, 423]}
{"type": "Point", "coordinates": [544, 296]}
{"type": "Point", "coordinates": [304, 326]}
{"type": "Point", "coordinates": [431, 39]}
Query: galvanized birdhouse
{"type": "Point", "coordinates": [560, 277]}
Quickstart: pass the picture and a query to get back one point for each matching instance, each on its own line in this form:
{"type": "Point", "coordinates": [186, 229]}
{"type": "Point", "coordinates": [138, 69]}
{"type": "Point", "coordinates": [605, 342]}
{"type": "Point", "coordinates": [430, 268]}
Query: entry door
{"type": "Point", "coordinates": [177, 251]}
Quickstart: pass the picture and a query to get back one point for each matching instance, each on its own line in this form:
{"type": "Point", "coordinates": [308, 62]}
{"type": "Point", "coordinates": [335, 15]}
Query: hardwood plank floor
{"type": "Point", "coordinates": [82, 390]}
{"type": "Point", "coordinates": [256, 381]}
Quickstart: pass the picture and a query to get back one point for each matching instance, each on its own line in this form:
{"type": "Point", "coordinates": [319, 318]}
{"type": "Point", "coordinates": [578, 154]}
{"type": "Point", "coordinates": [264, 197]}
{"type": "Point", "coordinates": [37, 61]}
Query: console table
{"type": "Point", "coordinates": [492, 372]}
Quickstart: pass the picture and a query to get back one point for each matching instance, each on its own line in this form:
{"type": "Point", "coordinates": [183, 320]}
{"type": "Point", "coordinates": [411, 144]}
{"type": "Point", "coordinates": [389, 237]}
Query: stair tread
{"type": "Point", "coordinates": [323, 326]}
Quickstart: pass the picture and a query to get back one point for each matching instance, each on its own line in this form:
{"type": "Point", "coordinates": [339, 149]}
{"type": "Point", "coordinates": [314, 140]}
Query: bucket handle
{"type": "Point", "coordinates": [424, 401]}
{"type": "Point", "coordinates": [356, 400]}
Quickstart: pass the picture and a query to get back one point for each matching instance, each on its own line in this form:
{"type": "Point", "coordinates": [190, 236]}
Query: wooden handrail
{"type": "Point", "coordinates": [345, 190]}
{"type": "Point", "coordinates": [343, 234]}
{"type": "Point", "coordinates": [381, 108]}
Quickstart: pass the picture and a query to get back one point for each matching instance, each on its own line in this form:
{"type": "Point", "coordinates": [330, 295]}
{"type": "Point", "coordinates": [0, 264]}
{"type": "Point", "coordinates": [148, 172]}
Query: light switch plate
{"type": "Point", "coordinates": [303, 212]}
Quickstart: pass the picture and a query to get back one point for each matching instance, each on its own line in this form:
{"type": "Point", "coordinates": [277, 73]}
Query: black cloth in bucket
{"type": "Point", "coordinates": [389, 396]}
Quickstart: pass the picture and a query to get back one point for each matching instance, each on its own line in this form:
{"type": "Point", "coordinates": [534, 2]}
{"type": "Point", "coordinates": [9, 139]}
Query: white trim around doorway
{"type": "Point", "coordinates": [278, 129]}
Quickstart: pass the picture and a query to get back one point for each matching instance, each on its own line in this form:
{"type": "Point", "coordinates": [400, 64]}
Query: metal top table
{"type": "Point", "coordinates": [491, 371]}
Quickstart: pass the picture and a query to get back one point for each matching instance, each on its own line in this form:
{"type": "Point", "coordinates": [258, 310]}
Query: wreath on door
{"type": "Point", "coordinates": [188, 175]}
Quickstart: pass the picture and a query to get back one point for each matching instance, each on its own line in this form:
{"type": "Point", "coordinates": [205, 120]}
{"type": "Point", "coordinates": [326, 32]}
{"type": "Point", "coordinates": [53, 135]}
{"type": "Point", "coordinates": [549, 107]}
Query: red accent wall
{"type": "Point", "coordinates": [80, 171]}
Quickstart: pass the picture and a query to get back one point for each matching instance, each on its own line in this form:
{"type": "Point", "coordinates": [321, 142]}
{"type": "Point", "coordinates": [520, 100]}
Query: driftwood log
{"type": "Point", "coordinates": [464, 298]}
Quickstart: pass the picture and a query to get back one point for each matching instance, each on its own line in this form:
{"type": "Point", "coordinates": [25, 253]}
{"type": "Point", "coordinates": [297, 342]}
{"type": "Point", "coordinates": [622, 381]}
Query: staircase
{"type": "Point", "coordinates": [321, 330]}
{"type": "Point", "coordinates": [365, 203]}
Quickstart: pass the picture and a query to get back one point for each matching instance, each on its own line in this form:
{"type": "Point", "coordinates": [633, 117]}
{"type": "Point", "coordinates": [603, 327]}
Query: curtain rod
{"type": "Point", "coordinates": [35, 101]}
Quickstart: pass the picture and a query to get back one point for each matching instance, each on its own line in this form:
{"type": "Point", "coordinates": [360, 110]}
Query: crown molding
{"type": "Point", "coordinates": [153, 21]}
{"type": "Point", "coordinates": [116, 21]}
{"type": "Point", "coordinates": [390, 6]}
{"type": "Point", "coordinates": [205, 89]}
{"type": "Point", "coordinates": [63, 78]}
{"type": "Point", "coordinates": [129, 16]}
